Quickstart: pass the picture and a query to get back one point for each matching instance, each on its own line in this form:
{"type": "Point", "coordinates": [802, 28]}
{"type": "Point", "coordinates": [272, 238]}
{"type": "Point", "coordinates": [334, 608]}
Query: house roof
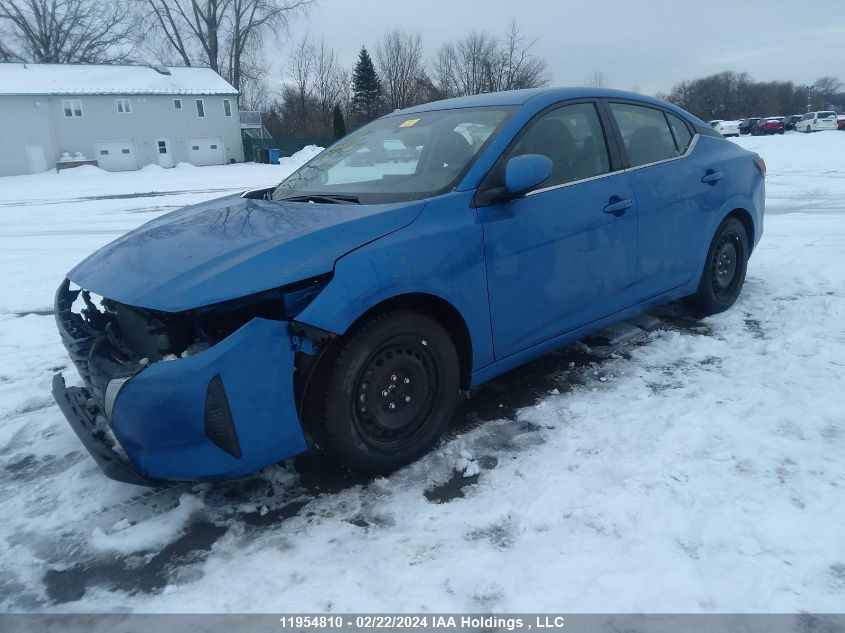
{"type": "Point", "coordinates": [83, 79]}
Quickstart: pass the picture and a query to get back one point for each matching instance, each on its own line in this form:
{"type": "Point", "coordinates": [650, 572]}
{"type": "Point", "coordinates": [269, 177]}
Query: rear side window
{"type": "Point", "coordinates": [680, 131]}
{"type": "Point", "coordinates": [645, 133]}
{"type": "Point", "coordinates": [572, 137]}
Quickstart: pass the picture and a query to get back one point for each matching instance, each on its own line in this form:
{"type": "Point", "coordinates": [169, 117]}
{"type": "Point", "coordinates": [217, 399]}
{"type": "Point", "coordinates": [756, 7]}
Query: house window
{"type": "Point", "coordinates": [227, 107]}
{"type": "Point", "coordinates": [200, 109]}
{"type": "Point", "coordinates": [123, 106]}
{"type": "Point", "coordinates": [177, 104]}
{"type": "Point", "coordinates": [72, 107]}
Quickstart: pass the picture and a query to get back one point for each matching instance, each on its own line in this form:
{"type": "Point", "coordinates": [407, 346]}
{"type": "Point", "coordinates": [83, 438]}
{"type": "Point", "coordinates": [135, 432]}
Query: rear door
{"type": "Point", "coordinates": [565, 254]}
{"type": "Point", "coordinates": [676, 187]}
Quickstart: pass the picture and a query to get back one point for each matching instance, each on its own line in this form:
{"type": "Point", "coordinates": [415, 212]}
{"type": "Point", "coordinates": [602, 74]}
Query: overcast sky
{"type": "Point", "coordinates": [644, 44]}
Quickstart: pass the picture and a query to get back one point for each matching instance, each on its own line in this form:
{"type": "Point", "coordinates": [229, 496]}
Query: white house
{"type": "Point", "coordinates": [124, 117]}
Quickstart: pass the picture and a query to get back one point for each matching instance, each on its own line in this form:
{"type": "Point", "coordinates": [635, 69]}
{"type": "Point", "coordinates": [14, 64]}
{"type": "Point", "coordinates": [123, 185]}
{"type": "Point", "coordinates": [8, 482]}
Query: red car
{"type": "Point", "coordinates": [770, 125]}
{"type": "Point", "coordinates": [840, 122]}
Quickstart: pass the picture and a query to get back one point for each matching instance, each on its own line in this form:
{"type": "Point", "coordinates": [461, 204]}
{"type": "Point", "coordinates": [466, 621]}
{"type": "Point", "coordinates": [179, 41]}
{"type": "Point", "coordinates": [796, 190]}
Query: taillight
{"type": "Point", "coordinates": [761, 166]}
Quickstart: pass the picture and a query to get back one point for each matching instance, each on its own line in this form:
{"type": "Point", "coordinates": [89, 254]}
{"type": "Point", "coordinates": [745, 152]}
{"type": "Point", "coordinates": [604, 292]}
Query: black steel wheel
{"type": "Point", "coordinates": [724, 270]}
{"type": "Point", "coordinates": [389, 394]}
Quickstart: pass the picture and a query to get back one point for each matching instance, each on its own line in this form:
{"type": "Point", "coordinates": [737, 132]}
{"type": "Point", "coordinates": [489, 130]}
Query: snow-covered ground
{"type": "Point", "coordinates": [667, 465]}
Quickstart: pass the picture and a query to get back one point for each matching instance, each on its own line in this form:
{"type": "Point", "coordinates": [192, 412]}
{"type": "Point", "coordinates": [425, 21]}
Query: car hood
{"type": "Point", "coordinates": [232, 247]}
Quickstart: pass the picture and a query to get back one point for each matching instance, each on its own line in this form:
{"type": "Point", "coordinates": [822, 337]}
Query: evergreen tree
{"type": "Point", "coordinates": [338, 124]}
{"type": "Point", "coordinates": [366, 89]}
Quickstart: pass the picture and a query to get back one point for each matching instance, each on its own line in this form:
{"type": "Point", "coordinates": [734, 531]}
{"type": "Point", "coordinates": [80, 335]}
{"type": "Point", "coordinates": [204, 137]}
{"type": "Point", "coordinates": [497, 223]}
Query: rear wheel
{"type": "Point", "coordinates": [724, 270]}
{"type": "Point", "coordinates": [389, 394]}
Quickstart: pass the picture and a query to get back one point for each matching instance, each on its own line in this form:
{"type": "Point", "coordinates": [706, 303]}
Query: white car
{"type": "Point", "coordinates": [815, 121]}
{"type": "Point", "coordinates": [725, 128]}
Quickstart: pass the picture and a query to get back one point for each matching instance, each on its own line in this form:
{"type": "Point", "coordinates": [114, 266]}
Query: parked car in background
{"type": "Point", "coordinates": [790, 122]}
{"type": "Point", "coordinates": [769, 125]}
{"type": "Point", "coordinates": [745, 125]}
{"type": "Point", "coordinates": [817, 121]}
{"type": "Point", "coordinates": [726, 128]}
{"type": "Point", "coordinates": [840, 122]}
{"type": "Point", "coordinates": [349, 307]}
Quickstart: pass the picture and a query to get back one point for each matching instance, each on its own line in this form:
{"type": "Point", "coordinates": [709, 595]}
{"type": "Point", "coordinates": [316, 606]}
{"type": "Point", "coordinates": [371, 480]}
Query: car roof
{"type": "Point", "coordinates": [522, 97]}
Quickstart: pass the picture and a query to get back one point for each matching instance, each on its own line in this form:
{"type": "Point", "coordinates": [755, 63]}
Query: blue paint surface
{"type": "Point", "coordinates": [525, 276]}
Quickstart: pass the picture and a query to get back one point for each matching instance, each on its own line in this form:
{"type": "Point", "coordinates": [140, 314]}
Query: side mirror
{"type": "Point", "coordinates": [524, 173]}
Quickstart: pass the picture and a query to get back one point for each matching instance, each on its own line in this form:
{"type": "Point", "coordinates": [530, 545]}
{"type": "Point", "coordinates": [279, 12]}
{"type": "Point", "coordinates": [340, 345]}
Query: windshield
{"type": "Point", "coordinates": [396, 158]}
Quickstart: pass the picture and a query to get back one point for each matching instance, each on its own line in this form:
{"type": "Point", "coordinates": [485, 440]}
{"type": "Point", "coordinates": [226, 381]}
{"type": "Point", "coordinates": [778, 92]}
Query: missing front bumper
{"type": "Point", "coordinates": [82, 414]}
{"type": "Point", "coordinates": [222, 413]}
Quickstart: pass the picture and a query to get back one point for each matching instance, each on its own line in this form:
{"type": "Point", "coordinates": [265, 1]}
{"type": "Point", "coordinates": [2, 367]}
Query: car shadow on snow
{"type": "Point", "coordinates": [264, 502]}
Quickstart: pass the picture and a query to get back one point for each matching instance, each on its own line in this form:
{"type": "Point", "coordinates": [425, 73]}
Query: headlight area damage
{"type": "Point", "coordinates": [202, 394]}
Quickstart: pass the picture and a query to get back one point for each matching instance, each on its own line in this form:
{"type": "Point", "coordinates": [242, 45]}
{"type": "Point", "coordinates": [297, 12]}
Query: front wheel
{"type": "Point", "coordinates": [389, 394]}
{"type": "Point", "coordinates": [724, 269]}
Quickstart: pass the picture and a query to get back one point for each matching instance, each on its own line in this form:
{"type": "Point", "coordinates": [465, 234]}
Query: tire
{"type": "Point", "coordinates": [724, 269]}
{"type": "Point", "coordinates": [388, 395]}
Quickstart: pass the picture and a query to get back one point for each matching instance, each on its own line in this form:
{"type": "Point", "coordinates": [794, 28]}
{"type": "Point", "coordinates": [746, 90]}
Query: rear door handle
{"type": "Point", "coordinates": [712, 177]}
{"type": "Point", "coordinates": [618, 208]}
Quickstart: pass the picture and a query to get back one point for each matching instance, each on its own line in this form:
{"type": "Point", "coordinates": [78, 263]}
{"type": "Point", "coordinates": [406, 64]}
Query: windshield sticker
{"type": "Point", "coordinates": [408, 123]}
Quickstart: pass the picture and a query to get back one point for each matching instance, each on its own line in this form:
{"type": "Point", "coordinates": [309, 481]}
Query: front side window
{"type": "Point", "coordinates": [572, 138]}
{"type": "Point", "coordinates": [123, 105]}
{"type": "Point", "coordinates": [227, 107]}
{"type": "Point", "coordinates": [396, 158]}
{"type": "Point", "coordinates": [645, 133]}
{"type": "Point", "coordinates": [72, 107]}
{"type": "Point", "coordinates": [200, 109]}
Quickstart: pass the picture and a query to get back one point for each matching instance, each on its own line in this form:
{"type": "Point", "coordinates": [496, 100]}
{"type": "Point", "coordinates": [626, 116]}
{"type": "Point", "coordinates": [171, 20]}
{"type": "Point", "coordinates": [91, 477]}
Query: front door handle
{"type": "Point", "coordinates": [712, 177]}
{"type": "Point", "coordinates": [619, 207]}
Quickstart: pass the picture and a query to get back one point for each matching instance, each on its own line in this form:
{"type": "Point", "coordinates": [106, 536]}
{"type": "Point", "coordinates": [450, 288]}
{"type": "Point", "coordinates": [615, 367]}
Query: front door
{"type": "Point", "coordinates": [565, 254]}
{"type": "Point", "coordinates": [35, 158]}
{"type": "Point", "coordinates": [165, 158]}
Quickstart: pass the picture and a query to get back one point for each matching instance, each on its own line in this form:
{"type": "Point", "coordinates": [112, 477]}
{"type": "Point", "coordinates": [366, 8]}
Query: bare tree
{"type": "Point", "coordinates": [825, 88]}
{"type": "Point", "coordinates": [463, 67]}
{"type": "Point", "coordinates": [596, 79]}
{"type": "Point", "coordinates": [331, 82]}
{"type": "Point", "coordinates": [518, 67]}
{"type": "Point", "coordinates": [224, 35]}
{"type": "Point", "coordinates": [66, 31]}
{"type": "Point", "coordinates": [481, 63]}
{"type": "Point", "coordinates": [400, 66]}
{"type": "Point", "coordinates": [301, 66]}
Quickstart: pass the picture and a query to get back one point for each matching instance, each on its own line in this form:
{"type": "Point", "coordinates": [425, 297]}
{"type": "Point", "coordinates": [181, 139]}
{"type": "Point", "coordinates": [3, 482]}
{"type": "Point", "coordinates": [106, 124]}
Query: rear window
{"type": "Point", "coordinates": [826, 115]}
{"type": "Point", "coordinates": [645, 133]}
{"type": "Point", "coordinates": [680, 131]}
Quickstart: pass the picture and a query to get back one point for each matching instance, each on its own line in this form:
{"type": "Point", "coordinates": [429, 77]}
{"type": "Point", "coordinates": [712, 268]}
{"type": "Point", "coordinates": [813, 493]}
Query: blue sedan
{"type": "Point", "coordinates": [346, 309]}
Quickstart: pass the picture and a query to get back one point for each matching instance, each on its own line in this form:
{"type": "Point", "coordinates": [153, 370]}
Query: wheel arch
{"type": "Point", "coordinates": [311, 369]}
{"type": "Point", "coordinates": [744, 216]}
{"type": "Point", "coordinates": [441, 311]}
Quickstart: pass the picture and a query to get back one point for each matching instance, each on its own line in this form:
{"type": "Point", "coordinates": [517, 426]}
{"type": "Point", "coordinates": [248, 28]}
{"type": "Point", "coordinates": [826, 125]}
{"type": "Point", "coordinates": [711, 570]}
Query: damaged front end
{"type": "Point", "coordinates": [206, 393]}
